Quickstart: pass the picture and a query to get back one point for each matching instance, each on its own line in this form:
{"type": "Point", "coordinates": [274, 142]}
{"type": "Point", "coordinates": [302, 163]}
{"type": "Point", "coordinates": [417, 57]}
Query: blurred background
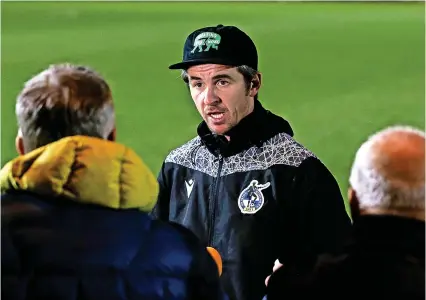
{"type": "Point", "coordinates": [336, 71]}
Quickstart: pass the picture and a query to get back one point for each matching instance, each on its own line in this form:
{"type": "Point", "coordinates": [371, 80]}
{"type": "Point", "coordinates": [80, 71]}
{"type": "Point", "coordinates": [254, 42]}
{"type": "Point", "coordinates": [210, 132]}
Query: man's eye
{"type": "Point", "coordinates": [197, 84]}
{"type": "Point", "coordinates": [222, 82]}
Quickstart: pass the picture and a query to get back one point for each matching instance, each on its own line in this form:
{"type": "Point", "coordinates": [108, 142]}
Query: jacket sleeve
{"type": "Point", "coordinates": [314, 218]}
{"type": "Point", "coordinates": [161, 208]}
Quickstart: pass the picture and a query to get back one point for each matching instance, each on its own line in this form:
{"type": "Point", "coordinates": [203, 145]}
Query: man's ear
{"type": "Point", "coordinates": [113, 135]}
{"type": "Point", "coordinates": [19, 143]}
{"type": "Point", "coordinates": [353, 203]}
{"type": "Point", "coordinates": [255, 85]}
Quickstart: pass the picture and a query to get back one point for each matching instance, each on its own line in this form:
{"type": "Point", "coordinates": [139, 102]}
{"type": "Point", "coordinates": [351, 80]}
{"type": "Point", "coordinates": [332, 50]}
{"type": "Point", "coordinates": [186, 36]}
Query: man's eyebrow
{"type": "Point", "coordinates": [218, 76]}
{"type": "Point", "coordinates": [222, 76]}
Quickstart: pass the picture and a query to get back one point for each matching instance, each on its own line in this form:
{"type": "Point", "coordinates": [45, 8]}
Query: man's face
{"type": "Point", "coordinates": [220, 95]}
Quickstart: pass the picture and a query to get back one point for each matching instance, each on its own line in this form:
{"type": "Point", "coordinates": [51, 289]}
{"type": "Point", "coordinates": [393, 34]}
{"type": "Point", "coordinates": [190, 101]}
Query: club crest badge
{"type": "Point", "coordinates": [251, 199]}
{"type": "Point", "coordinates": [206, 41]}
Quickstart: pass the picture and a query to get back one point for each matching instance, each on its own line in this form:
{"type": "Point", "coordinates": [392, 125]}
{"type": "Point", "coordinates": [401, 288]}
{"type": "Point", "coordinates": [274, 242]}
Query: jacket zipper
{"type": "Point", "coordinates": [212, 204]}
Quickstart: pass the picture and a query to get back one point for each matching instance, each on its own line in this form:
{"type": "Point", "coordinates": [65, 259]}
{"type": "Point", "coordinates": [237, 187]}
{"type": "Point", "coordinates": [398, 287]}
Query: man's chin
{"type": "Point", "coordinates": [218, 129]}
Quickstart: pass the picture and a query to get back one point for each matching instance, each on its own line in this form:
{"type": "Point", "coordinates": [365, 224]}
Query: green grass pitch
{"type": "Point", "coordinates": [336, 71]}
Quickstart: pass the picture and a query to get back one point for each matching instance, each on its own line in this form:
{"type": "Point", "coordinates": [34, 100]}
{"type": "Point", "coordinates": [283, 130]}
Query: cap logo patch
{"type": "Point", "coordinates": [206, 41]}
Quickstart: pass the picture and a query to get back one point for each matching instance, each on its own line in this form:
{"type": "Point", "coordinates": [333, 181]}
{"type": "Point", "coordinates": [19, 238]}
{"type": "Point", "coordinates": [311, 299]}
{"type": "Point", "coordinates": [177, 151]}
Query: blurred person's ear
{"type": "Point", "coordinates": [113, 135]}
{"type": "Point", "coordinates": [19, 143]}
{"type": "Point", "coordinates": [354, 203]}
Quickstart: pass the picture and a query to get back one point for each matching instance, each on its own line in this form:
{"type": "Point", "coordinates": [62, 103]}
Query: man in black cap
{"type": "Point", "coordinates": [244, 185]}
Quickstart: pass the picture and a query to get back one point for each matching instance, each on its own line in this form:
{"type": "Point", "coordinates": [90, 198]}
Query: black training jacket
{"type": "Point", "coordinates": [260, 197]}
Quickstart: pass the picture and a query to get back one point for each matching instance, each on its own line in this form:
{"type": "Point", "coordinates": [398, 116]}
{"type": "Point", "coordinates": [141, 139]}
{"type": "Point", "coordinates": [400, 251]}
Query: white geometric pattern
{"type": "Point", "coordinates": [281, 149]}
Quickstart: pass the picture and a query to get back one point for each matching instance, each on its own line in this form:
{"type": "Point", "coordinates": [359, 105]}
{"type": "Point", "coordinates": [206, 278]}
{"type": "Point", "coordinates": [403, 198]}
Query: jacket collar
{"type": "Point", "coordinates": [254, 129]}
{"type": "Point", "coordinates": [85, 170]}
{"type": "Point", "coordinates": [390, 233]}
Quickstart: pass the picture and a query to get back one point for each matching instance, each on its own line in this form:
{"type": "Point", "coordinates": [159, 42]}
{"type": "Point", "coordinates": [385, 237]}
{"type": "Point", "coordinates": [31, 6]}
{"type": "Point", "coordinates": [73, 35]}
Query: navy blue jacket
{"type": "Point", "coordinates": [75, 225]}
{"type": "Point", "coordinates": [258, 197]}
{"type": "Point", "coordinates": [63, 250]}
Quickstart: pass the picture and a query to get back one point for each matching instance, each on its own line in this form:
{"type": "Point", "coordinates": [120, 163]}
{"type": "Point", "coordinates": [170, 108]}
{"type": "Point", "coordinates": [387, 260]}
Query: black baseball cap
{"type": "Point", "coordinates": [225, 45]}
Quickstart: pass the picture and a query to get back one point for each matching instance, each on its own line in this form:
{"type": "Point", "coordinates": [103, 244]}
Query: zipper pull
{"type": "Point", "coordinates": [218, 155]}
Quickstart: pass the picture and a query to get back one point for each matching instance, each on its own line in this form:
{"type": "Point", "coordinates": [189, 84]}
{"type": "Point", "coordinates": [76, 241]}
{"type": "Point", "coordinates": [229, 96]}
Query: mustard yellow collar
{"type": "Point", "coordinates": [86, 170]}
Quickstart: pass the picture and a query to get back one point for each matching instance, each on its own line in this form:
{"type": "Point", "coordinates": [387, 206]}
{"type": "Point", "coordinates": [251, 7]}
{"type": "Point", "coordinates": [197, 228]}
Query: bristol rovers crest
{"type": "Point", "coordinates": [251, 198]}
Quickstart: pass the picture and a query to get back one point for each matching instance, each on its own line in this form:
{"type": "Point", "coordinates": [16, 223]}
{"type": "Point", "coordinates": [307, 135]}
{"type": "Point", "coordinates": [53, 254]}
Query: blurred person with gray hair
{"type": "Point", "coordinates": [75, 205]}
{"type": "Point", "coordinates": [385, 257]}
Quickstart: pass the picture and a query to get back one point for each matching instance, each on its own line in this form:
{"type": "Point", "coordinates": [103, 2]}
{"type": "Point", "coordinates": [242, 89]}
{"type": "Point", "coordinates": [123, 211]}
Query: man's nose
{"type": "Point", "coordinates": [210, 96]}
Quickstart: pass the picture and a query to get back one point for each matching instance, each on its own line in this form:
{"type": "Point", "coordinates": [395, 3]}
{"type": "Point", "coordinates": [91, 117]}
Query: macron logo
{"type": "Point", "coordinates": [189, 185]}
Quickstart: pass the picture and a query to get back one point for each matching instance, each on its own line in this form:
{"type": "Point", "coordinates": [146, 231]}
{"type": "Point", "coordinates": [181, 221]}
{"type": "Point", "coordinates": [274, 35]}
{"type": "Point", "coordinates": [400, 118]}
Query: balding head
{"type": "Point", "coordinates": [389, 170]}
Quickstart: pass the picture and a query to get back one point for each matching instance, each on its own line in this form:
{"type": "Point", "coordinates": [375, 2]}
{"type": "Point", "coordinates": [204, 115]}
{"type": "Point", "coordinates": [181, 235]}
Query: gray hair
{"type": "Point", "coordinates": [247, 72]}
{"type": "Point", "coordinates": [374, 189]}
{"type": "Point", "coordinates": [64, 100]}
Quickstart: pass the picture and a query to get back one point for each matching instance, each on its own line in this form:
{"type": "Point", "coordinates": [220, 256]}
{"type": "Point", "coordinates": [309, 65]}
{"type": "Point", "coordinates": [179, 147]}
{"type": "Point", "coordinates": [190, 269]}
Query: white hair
{"type": "Point", "coordinates": [372, 188]}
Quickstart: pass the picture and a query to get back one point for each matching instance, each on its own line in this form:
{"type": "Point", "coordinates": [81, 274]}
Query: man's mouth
{"type": "Point", "coordinates": [217, 115]}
